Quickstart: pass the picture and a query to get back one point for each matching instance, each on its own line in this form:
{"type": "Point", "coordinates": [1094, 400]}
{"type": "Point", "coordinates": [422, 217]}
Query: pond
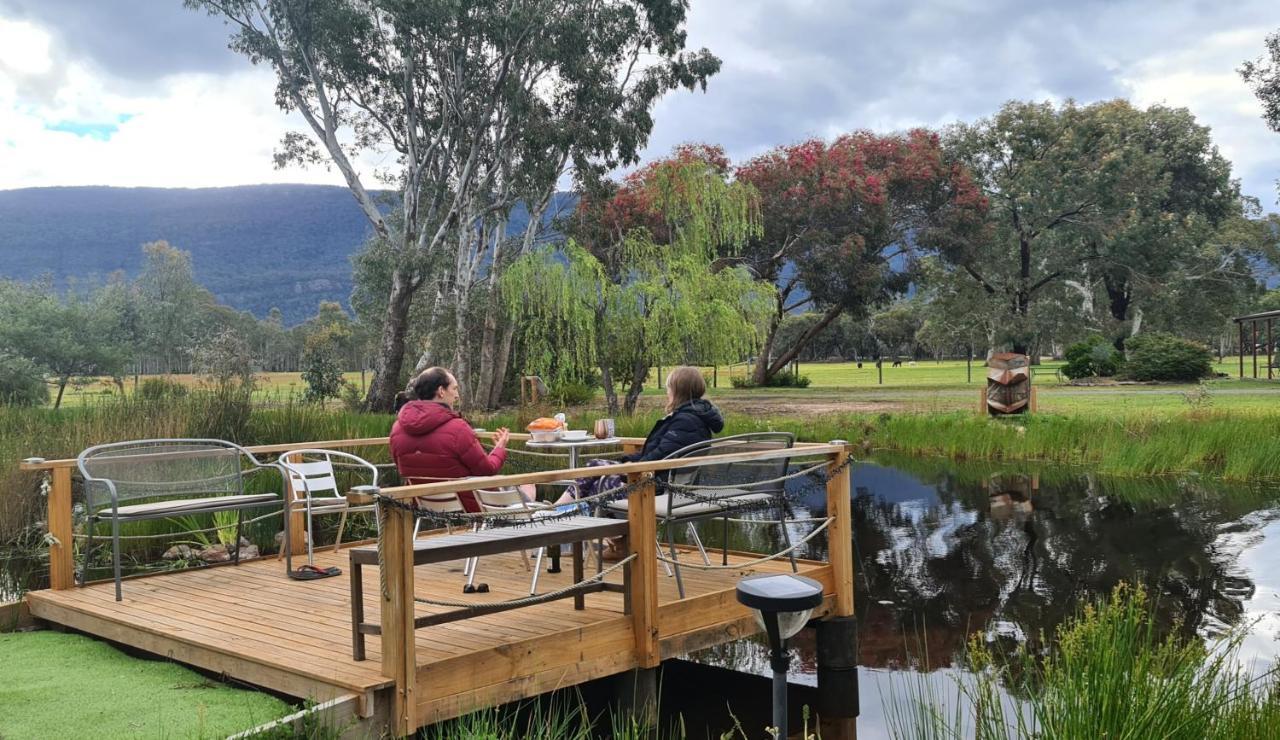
{"type": "Point", "coordinates": [944, 550]}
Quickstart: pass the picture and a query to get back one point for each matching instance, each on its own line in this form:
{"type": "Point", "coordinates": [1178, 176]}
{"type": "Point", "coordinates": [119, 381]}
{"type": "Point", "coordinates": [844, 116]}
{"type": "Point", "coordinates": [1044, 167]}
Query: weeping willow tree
{"type": "Point", "coordinates": [643, 282]}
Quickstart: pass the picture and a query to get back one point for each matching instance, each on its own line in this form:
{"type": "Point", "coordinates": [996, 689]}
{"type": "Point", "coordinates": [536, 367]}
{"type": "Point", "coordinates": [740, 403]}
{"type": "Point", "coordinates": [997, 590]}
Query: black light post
{"type": "Point", "coordinates": [782, 604]}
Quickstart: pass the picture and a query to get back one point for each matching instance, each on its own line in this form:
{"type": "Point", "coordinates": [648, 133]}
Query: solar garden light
{"type": "Point", "coordinates": [782, 605]}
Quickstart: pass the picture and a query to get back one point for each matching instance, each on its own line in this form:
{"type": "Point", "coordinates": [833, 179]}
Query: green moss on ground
{"type": "Point", "coordinates": [64, 685]}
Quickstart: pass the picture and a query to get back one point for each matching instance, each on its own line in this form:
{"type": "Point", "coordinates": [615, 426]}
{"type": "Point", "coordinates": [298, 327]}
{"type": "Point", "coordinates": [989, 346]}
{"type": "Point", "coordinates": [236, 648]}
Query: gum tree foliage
{"type": "Point", "coordinates": [1263, 75]}
{"type": "Point", "coordinates": [168, 302]}
{"type": "Point", "coordinates": [67, 336]}
{"type": "Point", "coordinates": [639, 284]}
{"type": "Point", "coordinates": [835, 217]}
{"type": "Point", "coordinates": [481, 104]}
{"type": "Point", "coordinates": [1108, 202]}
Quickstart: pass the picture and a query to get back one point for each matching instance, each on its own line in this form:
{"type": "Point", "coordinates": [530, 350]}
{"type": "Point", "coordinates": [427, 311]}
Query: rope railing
{"type": "Point", "coordinates": [750, 563]}
{"type": "Point", "coordinates": [691, 495]}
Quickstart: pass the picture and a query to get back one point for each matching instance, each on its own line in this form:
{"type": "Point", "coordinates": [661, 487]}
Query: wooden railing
{"type": "Point", "coordinates": [397, 608]}
{"type": "Point", "coordinates": [399, 661]}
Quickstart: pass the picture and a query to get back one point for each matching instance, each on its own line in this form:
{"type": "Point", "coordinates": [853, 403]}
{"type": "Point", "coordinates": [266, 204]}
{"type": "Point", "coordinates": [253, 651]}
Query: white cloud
{"type": "Point", "coordinates": [791, 70]}
{"type": "Point", "coordinates": [187, 130]}
{"type": "Point", "coordinates": [1201, 76]}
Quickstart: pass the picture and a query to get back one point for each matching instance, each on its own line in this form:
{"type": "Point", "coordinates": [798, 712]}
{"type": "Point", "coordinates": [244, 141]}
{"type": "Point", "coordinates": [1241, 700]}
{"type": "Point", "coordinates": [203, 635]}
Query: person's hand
{"type": "Point", "coordinates": [501, 436]}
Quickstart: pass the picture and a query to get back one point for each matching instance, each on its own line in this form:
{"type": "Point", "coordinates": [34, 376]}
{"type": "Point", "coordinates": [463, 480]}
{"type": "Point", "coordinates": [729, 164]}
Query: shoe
{"type": "Point", "coordinates": [611, 552]}
{"type": "Point", "coordinates": [312, 572]}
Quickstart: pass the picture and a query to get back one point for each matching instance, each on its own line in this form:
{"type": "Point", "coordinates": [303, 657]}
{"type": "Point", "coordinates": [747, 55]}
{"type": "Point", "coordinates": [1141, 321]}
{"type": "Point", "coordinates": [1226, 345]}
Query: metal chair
{"type": "Point", "coordinates": [511, 501]}
{"type": "Point", "coordinates": [442, 503]}
{"type": "Point", "coordinates": [737, 486]}
{"type": "Point", "coordinates": [313, 487]}
{"type": "Point", "coordinates": [165, 478]}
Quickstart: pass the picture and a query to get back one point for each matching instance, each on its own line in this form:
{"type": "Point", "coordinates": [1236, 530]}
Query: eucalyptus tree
{"type": "Point", "coordinates": [169, 302]}
{"type": "Point", "coordinates": [1263, 75]}
{"type": "Point", "coordinates": [481, 103]}
{"type": "Point", "coordinates": [1108, 202]}
{"type": "Point", "coordinates": [841, 218]}
{"type": "Point", "coordinates": [641, 285]}
{"type": "Point", "coordinates": [65, 335]}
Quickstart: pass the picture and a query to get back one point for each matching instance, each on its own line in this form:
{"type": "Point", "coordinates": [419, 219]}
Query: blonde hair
{"type": "Point", "coordinates": [684, 384]}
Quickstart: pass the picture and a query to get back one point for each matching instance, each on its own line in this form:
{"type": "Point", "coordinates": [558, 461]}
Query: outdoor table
{"type": "Point", "coordinates": [444, 548]}
{"type": "Point", "coordinates": [573, 445]}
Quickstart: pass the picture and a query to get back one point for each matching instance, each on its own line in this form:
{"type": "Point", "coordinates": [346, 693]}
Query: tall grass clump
{"type": "Point", "coordinates": [1107, 673]}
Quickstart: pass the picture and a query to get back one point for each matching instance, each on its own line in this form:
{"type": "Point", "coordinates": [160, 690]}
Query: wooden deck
{"type": "Point", "coordinates": [254, 625]}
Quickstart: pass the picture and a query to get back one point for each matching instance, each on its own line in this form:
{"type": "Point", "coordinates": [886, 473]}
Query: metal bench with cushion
{"type": "Point", "coordinates": [163, 478]}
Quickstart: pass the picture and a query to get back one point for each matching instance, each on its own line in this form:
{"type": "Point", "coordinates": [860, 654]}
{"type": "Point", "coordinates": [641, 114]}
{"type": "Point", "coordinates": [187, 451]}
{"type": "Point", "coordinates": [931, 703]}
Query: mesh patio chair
{"type": "Point", "coordinates": [313, 486]}
{"type": "Point", "coordinates": [163, 478]}
{"type": "Point", "coordinates": [737, 485]}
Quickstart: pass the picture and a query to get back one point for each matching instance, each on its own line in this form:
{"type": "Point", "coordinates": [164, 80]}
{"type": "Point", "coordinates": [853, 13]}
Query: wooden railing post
{"type": "Point", "coordinates": [297, 524]}
{"type": "Point", "coordinates": [840, 533]}
{"type": "Point", "coordinates": [62, 547]}
{"type": "Point", "coordinates": [398, 648]}
{"type": "Point", "coordinates": [642, 538]}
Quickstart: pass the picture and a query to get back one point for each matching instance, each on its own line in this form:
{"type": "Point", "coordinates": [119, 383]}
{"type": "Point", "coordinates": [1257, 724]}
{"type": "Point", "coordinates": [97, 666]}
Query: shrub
{"type": "Point", "coordinates": [154, 389]}
{"type": "Point", "coordinates": [573, 393]}
{"type": "Point", "coordinates": [780, 380]}
{"type": "Point", "coordinates": [788, 380]}
{"type": "Point", "coordinates": [1094, 357]}
{"type": "Point", "coordinates": [1158, 356]}
{"type": "Point", "coordinates": [21, 382]}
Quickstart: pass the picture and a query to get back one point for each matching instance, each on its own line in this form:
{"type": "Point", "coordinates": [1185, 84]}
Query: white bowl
{"type": "Point", "coordinates": [544, 436]}
{"type": "Point", "coordinates": [574, 435]}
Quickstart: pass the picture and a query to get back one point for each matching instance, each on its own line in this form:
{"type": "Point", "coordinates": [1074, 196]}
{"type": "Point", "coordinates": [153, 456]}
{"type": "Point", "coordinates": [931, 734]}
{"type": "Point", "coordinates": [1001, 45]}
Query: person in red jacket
{"type": "Point", "coordinates": [432, 442]}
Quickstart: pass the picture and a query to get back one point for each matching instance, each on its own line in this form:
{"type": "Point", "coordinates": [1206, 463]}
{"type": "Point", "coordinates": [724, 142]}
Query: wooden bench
{"type": "Point", "coordinates": [445, 548]}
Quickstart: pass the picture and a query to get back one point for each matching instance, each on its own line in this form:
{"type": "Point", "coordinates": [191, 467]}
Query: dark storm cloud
{"type": "Point", "coordinates": [135, 40]}
{"type": "Point", "coordinates": [803, 68]}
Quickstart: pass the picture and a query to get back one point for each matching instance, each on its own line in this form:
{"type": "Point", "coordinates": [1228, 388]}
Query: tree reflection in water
{"type": "Point", "coordinates": [945, 550]}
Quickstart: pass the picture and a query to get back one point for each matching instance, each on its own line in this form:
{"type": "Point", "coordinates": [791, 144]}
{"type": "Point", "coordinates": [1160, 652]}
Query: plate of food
{"type": "Point", "coordinates": [544, 429]}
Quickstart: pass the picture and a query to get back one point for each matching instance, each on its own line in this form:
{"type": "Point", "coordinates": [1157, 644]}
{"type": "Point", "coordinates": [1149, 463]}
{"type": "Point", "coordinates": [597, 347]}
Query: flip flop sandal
{"type": "Point", "coordinates": [313, 572]}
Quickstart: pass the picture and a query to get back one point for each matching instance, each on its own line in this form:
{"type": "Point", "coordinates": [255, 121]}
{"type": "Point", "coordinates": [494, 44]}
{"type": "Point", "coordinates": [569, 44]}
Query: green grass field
{"type": "Point", "coordinates": [923, 387]}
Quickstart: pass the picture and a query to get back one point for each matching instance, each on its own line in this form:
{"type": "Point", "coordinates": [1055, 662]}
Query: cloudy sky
{"type": "Point", "coordinates": [120, 92]}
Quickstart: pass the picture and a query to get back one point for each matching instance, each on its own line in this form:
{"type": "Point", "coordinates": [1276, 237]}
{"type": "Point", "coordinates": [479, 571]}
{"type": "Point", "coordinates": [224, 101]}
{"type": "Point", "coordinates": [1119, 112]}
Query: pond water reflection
{"type": "Point", "coordinates": [945, 550]}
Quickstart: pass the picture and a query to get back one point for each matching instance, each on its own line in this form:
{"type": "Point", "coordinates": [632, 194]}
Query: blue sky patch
{"type": "Point", "coordinates": [91, 130]}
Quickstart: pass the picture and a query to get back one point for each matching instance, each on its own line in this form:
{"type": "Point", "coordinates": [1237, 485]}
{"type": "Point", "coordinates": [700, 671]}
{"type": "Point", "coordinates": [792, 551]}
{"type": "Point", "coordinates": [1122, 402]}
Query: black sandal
{"type": "Point", "coordinates": [313, 572]}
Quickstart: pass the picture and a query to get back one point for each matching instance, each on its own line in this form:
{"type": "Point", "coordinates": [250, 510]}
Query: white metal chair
{"type": "Point", "coordinates": [313, 488]}
{"type": "Point", "coordinates": [511, 501]}
{"type": "Point", "coordinates": [443, 503]}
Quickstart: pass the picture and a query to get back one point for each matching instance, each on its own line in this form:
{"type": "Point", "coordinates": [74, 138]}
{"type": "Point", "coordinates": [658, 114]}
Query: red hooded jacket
{"type": "Point", "coordinates": [432, 442]}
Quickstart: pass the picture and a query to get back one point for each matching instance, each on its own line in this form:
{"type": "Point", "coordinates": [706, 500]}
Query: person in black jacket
{"type": "Point", "coordinates": [690, 417]}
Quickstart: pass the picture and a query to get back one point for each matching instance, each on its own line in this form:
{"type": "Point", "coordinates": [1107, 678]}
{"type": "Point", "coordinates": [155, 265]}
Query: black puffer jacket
{"type": "Point", "coordinates": [692, 421]}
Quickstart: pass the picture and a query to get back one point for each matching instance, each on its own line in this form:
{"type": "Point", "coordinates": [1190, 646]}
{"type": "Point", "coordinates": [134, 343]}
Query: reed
{"type": "Point", "coordinates": [1107, 673]}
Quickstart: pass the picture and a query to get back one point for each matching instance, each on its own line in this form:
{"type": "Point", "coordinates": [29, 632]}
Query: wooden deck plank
{"type": "Point", "coordinates": [252, 623]}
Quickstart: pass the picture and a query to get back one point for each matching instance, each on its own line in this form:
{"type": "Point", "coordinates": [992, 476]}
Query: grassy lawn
{"type": "Point", "coordinates": [64, 685]}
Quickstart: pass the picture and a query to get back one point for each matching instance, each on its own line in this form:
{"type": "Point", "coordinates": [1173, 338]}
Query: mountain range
{"type": "Point", "coordinates": [254, 246]}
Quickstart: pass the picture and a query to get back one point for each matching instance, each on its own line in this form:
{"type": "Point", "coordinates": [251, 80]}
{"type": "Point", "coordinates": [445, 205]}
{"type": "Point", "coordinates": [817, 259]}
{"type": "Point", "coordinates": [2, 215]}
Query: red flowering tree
{"type": "Point", "coordinates": [835, 217]}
